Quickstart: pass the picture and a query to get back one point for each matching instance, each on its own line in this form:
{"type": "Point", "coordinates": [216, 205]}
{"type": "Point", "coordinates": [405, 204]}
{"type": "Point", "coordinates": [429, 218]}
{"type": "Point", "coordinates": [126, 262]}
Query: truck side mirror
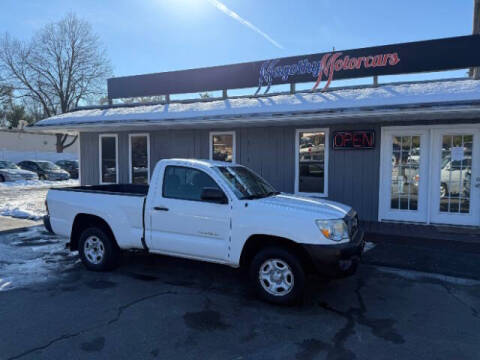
{"type": "Point", "coordinates": [213, 195]}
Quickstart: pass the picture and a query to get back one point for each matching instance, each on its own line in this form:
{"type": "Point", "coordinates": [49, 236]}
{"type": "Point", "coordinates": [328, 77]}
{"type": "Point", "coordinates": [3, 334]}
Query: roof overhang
{"type": "Point", "coordinates": [425, 112]}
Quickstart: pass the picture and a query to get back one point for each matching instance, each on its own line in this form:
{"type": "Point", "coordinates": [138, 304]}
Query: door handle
{"type": "Point", "coordinates": [160, 208]}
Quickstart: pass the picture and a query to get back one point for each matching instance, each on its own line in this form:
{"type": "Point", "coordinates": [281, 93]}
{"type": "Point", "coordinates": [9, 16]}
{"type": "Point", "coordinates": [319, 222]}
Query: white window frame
{"type": "Point", "coordinates": [101, 136]}
{"type": "Point", "coordinates": [297, 161]}
{"type": "Point", "coordinates": [234, 144]}
{"type": "Point", "coordinates": [147, 135]}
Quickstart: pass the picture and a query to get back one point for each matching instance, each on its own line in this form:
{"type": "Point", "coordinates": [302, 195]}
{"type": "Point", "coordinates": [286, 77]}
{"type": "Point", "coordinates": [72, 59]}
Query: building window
{"type": "Point", "coordinates": [139, 158]}
{"type": "Point", "coordinates": [186, 183]}
{"type": "Point", "coordinates": [405, 172]}
{"type": "Point", "coordinates": [108, 159]}
{"type": "Point", "coordinates": [222, 146]}
{"type": "Point", "coordinates": [311, 168]}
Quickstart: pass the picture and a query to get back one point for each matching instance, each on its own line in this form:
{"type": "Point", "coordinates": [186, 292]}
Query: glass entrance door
{"type": "Point", "coordinates": [404, 166]}
{"type": "Point", "coordinates": [455, 186]}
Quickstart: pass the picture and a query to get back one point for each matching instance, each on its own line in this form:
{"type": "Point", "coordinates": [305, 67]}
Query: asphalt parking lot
{"type": "Point", "coordinates": [155, 307]}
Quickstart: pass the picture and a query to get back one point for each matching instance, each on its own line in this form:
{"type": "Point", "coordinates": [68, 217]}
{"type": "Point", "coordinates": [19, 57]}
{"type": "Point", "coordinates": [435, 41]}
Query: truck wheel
{"type": "Point", "coordinates": [278, 276]}
{"type": "Point", "coordinates": [2, 179]}
{"type": "Point", "coordinates": [98, 250]}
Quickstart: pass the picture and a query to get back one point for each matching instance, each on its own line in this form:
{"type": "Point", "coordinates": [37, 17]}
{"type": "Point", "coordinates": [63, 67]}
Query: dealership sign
{"type": "Point", "coordinates": [353, 139]}
{"type": "Point", "coordinates": [404, 58]}
{"type": "Point", "coordinates": [327, 66]}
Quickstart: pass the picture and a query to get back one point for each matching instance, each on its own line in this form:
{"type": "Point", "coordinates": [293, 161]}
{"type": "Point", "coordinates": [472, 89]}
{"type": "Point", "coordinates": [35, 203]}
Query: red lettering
{"type": "Point", "coordinates": [369, 61]}
{"type": "Point", "coordinates": [339, 65]}
{"type": "Point", "coordinates": [357, 140]}
{"type": "Point", "coordinates": [394, 59]}
{"type": "Point", "coordinates": [367, 139]}
{"type": "Point", "coordinates": [336, 139]}
{"type": "Point", "coordinates": [377, 60]}
{"type": "Point", "coordinates": [347, 138]}
{"type": "Point", "coordinates": [352, 64]}
{"type": "Point", "coordinates": [331, 63]}
{"type": "Point", "coordinates": [359, 63]}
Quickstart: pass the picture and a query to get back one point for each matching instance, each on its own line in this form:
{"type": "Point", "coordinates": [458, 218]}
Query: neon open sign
{"type": "Point", "coordinates": [354, 139]}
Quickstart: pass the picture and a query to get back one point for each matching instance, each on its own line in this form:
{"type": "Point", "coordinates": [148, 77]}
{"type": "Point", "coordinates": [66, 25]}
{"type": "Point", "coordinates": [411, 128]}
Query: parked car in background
{"type": "Point", "coordinates": [9, 171]}
{"type": "Point", "coordinates": [453, 176]}
{"type": "Point", "coordinates": [70, 166]}
{"type": "Point", "coordinates": [46, 170]}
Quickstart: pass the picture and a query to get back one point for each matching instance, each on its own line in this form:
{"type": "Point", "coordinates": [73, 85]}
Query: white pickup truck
{"type": "Point", "coordinates": [211, 211]}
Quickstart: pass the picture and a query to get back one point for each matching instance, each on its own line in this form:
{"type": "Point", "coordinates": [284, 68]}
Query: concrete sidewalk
{"type": "Point", "coordinates": [9, 224]}
{"type": "Point", "coordinates": [451, 258]}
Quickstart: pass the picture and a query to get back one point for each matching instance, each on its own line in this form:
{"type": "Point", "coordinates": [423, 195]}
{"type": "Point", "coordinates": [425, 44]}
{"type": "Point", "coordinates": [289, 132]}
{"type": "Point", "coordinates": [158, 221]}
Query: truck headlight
{"type": "Point", "coordinates": [335, 230]}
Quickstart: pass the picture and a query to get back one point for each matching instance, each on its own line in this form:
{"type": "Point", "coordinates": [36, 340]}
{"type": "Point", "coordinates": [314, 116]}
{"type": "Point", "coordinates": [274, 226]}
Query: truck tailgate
{"type": "Point", "coordinates": [122, 212]}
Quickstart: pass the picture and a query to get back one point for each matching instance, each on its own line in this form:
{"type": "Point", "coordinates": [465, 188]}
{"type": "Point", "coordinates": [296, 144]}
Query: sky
{"type": "Point", "coordinates": [146, 36]}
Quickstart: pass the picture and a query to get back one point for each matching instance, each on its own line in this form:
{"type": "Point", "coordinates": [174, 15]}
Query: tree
{"type": "Point", "coordinates": [61, 66]}
{"type": "Point", "coordinates": [16, 113]}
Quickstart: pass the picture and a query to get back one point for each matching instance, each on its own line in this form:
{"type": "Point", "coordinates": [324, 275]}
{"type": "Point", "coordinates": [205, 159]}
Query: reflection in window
{"type": "Point", "coordinates": [139, 159]}
{"type": "Point", "coordinates": [311, 162]}
{"type": "Point", "coordinates": [405, 172]}
{"type": "Point", "coordinates": [108, 151]}
{"type": "Point", "coordinates": [455, 173]}
{"type": "Point", "coordinates": [186, 183]}
{"type": "Point", "coordinates": [222, 147]}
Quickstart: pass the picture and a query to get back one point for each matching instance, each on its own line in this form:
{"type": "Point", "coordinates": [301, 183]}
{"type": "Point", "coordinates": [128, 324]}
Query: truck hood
{"type": "Point", "coordinates": [324, 208]}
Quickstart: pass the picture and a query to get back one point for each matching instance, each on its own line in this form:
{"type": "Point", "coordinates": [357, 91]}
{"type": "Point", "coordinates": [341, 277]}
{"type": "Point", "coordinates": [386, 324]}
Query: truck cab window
{"type": "Point", "coordinates": [186, 183]}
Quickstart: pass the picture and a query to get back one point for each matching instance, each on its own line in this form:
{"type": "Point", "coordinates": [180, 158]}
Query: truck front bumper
{"type": "Point", "coordinates": [337, 260]}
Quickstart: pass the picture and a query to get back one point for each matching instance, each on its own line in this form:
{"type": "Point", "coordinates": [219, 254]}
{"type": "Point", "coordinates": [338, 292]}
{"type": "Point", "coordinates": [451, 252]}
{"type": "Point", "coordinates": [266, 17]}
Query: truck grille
{"type": "Point", "coordinates": [352, 222]}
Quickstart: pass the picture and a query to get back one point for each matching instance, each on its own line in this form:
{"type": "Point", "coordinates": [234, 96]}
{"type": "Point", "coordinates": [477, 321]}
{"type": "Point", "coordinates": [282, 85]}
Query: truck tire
{"type": "Point", "coordinates": [98, 250]}
{"type": "Point", "coordinates": [278, 276]}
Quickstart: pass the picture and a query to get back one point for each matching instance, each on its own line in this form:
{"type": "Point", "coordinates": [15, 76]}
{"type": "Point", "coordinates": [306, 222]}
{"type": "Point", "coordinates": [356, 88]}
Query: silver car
{"type": "Point", "coordinates": [9, 171]}
{"type": "Point", "coordinates": [46, 170]}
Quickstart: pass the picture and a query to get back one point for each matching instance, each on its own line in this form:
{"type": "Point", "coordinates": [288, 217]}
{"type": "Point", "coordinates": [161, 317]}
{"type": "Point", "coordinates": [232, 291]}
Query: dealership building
{"type": "Point", "coordinates": [405, 155]}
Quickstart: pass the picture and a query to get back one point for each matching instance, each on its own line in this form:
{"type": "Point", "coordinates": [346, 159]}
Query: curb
{"type": "Point", "coordinates": [459, 274]}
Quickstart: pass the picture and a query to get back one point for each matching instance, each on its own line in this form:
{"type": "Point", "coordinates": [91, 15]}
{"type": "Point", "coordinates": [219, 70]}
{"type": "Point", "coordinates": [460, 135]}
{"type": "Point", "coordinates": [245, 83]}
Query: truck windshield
{"type": "Point", "coordinates": [245, 183]}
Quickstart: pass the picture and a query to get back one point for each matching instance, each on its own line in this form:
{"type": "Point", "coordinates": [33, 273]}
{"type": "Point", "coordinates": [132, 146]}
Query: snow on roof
{"type": "Point", "coordinates": [445, 91]}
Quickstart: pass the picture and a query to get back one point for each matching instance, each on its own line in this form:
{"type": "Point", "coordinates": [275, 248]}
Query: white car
{"type": "Point", "coordinates": [211, 211]}
{"type": "Point", "coordinates": [9, 171]}
{"type": "Point", "coordinates": [454, 175]}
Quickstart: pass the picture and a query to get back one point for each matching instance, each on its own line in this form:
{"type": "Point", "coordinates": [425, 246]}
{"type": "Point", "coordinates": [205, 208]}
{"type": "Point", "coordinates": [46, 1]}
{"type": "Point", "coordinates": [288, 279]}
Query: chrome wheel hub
{"type": "Point", "coordinates": [276, 277]}
{"type": "Point", "coordinates": [94, 250]}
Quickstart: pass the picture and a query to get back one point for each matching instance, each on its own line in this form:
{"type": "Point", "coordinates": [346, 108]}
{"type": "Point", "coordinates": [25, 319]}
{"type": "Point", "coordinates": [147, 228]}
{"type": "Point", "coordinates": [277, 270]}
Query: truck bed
{"type": "Point", "coordinates": [112, 189]}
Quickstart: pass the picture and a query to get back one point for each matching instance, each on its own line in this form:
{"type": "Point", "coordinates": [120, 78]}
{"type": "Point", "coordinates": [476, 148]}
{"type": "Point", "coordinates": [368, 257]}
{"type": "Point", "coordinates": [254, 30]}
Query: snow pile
{"type": "Point", "coordinates": [386, 95]}
{"type": "Point", "coordinates": [31, 257]}
{"type": "Point", "coordinates": [21, 211]}
{"type": "Point", "coordinates": [26, 199]}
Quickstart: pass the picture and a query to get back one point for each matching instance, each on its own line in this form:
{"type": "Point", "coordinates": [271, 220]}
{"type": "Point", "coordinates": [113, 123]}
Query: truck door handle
{"type": "Point", "coordinates": [160, 208]}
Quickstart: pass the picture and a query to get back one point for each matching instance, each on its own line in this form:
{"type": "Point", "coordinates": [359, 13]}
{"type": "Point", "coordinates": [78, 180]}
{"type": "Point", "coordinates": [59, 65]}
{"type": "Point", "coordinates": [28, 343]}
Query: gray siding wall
{"type": "Point", "coordinates": [89, 151]}
{"type": "Point", "coordinates": [270, 151]}
{"type": "Point", "coordinates": [353, 177]}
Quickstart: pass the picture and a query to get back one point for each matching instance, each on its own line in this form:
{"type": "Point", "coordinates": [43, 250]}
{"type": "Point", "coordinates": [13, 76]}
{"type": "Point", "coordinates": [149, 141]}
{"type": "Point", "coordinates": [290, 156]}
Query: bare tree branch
{"type": "Point", "coordinates": [63, 65]}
